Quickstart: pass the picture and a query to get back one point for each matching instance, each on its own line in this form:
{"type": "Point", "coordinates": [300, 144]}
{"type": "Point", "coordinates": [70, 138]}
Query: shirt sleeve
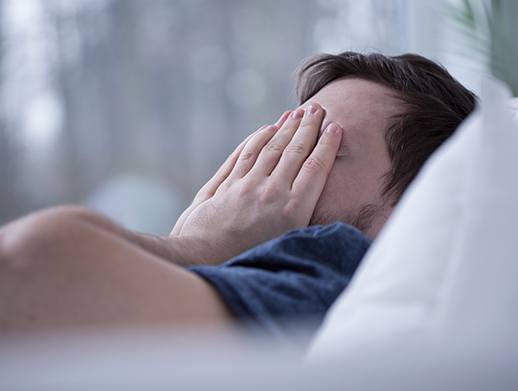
{"type": "Point", "coordinates": [293, 278]}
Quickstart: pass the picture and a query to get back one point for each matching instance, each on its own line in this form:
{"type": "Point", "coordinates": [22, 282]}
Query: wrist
{"type": "Point", "coordinates": [187, 250]}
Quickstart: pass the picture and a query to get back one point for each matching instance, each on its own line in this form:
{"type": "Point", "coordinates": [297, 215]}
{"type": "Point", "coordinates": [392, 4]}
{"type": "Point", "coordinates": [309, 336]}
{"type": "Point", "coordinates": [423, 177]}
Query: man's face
{"type": "Point", "coordinates": [354, 187]}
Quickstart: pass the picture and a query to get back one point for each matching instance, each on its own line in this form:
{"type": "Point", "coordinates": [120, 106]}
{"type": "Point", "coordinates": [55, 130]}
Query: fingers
{"type": "Point", "coordinates": [300, 146]}
{"type": "Point", "coordinates": [283, 119]}
{"type": "Point", "coordinates": [242, 159]}
{"type": "Point", "coordinates": [249, 154]}
{"type": "Point", "coordinates": [272, 151]}
{"type": "Point", "coordinates": [313, 174]}
{"type": "Point", "coordinates": [213, 184]}
{"type": "Point", "coordinates": [223, 172]}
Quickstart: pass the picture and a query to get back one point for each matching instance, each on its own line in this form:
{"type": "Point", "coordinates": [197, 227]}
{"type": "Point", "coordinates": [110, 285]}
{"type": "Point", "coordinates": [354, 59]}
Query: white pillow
{"type": "Point", "coordinates": [446, 263]}
{"type": "Point", "coordinates": [514, 108]}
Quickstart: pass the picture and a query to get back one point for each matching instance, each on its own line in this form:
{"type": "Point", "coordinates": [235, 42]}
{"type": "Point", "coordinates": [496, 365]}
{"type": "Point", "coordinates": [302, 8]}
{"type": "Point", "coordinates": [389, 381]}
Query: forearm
{"type": "Point", "coordinates": [183, 252]}
{"type": "Point", "coordinates": [54, 261]}
{"type": "Point", "coordinates": [180, 252]}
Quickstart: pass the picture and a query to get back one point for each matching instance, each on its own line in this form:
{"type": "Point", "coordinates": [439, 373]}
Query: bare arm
{"type": "Point", "coordinates": [68, 266]}
{"type": "Point", "coordinates": [57, 270]}
{"type": "Point", "coordinates": [181, 252]}
{"type": "Point", "coordinates": [267, 186]}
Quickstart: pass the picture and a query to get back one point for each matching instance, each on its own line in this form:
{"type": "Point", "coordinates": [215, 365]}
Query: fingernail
{"type": "Point", "coordinates": [297, 114]}
{"type": "Point", "coordinates": [312, 109]}
{"type": "Point", "coordinates": [284, 115]}
{"type": "Point", "coordinates": [333, 128]}
{"type": "Point", "coordinates": [283, 118]}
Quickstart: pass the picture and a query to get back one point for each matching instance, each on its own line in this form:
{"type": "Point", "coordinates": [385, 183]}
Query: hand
{"type": "Point", "coordinates": [270, 184]}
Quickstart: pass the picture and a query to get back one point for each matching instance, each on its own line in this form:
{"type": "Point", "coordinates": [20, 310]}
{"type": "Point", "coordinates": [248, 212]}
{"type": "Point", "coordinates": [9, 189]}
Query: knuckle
{"type": "Point", "coordinates": [246, 188]}
{"type": "Point", "coordinates": [291, 208]}
{"type": "Point", "coordinates": [247, 156]}
{"type": "Point", "coordinates": [274, 147]}
{"type": "Point", "coordinates": [314, 163]}
{"type": "Point", "coordinates": [269, 194]}
{"type": "Point", "coordinates": [201, 195]}
{"type": "Point", "coordinates": [296, 149]}
{"type": "Point", "coordinates": [223, 187]}
{"type": "Point", "coordinates": [307, 125]}
{"type": "Point", "coordinates": [292, 212]}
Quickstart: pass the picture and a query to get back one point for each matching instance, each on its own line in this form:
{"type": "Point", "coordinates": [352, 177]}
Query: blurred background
{"type": "Point", "coordinates": [129, 106]}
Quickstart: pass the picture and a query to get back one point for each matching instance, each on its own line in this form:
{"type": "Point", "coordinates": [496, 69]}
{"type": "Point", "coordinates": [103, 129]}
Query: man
{"type": "Point", "coordinates": [365, 126]}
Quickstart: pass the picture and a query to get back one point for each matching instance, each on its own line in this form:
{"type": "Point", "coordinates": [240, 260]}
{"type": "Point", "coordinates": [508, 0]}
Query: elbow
{"type": "Point", "coordinates": [30, 239]}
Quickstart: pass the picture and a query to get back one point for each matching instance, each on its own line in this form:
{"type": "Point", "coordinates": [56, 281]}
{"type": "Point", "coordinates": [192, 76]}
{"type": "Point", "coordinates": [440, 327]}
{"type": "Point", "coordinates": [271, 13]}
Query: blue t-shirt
{"type": "Point", "coordinates": [296, 276]}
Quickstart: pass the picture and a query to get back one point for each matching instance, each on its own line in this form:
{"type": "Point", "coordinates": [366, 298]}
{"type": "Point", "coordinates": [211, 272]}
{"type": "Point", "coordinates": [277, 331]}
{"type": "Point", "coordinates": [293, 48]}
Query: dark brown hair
{"type": "Point", "coordinates": [434, 104]}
